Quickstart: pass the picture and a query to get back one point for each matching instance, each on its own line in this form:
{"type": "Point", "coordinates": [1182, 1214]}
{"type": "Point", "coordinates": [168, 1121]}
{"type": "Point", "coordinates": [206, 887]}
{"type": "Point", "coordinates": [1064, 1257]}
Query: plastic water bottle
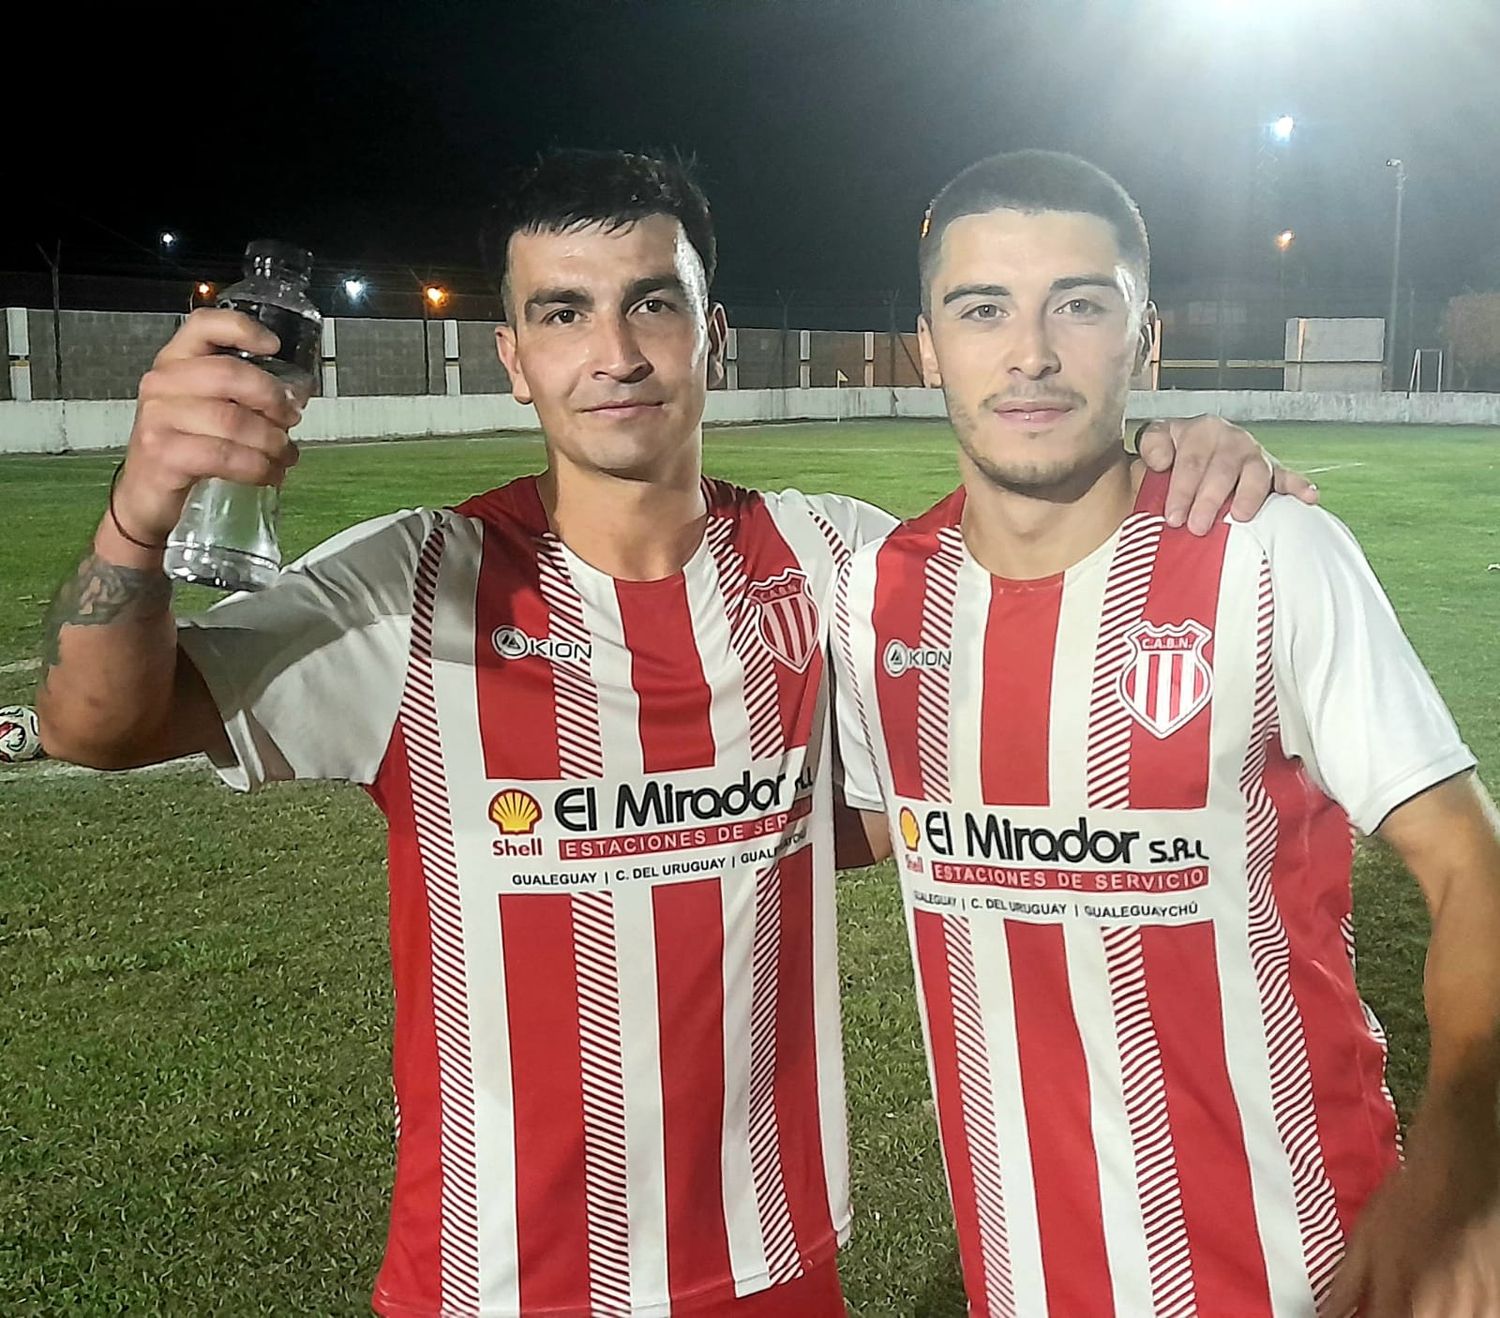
{"type": "Point", "coordinates": [226, 536]}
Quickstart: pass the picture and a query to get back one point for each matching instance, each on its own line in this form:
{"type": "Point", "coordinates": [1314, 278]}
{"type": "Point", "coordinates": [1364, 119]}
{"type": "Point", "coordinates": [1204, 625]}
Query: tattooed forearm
{"type": "Point", "coordinates": [100, 593]}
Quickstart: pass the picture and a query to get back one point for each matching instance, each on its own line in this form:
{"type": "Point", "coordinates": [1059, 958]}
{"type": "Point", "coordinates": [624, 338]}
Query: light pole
{"type": "Point", "coordinates": [1284, 241]}
{"type": "Point", "coordinates": [433, 298]}
{"type": "Point", "coordinates": [1390, 323]}
{"type": "Point", "coordinates": [1244, 224]}
{"type": "Point", "coordinates": [166, 240]}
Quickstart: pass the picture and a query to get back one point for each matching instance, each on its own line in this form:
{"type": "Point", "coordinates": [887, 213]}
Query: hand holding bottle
{"type": "Point", "coordinates": [204, 412]}
{"type": "Point", "coordinates": [226, 536]}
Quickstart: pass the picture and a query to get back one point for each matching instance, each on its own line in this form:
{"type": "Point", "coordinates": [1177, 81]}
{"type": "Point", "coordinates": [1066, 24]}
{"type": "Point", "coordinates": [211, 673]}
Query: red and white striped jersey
{"type": "Point", "coordinates": [617, 1054]}
{"type": "Point", "coordinates": [1121, 802]}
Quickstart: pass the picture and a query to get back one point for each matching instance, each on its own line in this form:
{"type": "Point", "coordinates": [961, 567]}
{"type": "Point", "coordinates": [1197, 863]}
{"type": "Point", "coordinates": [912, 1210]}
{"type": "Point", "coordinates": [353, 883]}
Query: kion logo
{"type": "Point", "coordinates": [513, 643]}
{"type": "Point", "coordinates": [900, 658]}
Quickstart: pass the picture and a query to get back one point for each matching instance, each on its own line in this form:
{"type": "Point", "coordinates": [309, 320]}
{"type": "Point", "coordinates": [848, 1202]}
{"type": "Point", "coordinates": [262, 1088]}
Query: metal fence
{"type": "Point", "coordinates": [1216, 334]}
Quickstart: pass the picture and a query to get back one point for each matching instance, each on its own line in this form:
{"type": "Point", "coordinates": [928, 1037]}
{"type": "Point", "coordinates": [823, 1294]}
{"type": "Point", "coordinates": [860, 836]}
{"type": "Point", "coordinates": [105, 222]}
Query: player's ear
{"type": "Point", "coordinates": [932, 375]}
{"type": "Point", "coordinates": [1150, 328]}
{"type": "Point", "coordinates": [718, 343]}
{"type": "Point", "coordinates": [505, 347]}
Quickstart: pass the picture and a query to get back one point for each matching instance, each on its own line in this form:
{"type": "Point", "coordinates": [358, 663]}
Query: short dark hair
{"type": "Point", "coordinates": [1033, 181]}
{"type": "Point", "coordinates": [571, 189]}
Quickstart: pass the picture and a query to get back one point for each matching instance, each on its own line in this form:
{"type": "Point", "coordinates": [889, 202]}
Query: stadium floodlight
{"type": "Point", "coordinates": [168, 239]}
{"type": "Point", "coordinates": [435, 295]}
{"type": "Point", "coordinates": [1283, 128]}
{"type": "Point", "coordinates": [354, 288]}
{"type": "Point", "coordinates": [1285, 239]}
{"type": "Point", "coordinates": [204, 289]}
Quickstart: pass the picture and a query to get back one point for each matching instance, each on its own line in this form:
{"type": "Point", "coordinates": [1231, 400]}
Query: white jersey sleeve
{"type": "Point", "coordinates": [1356, 705]}
{"type": "Point", "coordinates": [308, 674]}
{"type": "Point", "coordinates": [852, 690]}
{"type": "Point", "coordinates": [856, 522]}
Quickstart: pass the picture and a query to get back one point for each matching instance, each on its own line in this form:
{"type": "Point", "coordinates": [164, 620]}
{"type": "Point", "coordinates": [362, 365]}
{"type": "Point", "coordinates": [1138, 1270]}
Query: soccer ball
{"type": "Point", "coordinates": [19, 736]}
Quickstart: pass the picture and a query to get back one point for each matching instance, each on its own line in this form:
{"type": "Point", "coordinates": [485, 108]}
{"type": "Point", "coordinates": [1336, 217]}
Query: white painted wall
{"type": "Point", "coordinates": [1345, 355]}
{"type": "Point", "coordinates": [1349, 408]}
{"type": "Point", "coordinates": [60, 427]}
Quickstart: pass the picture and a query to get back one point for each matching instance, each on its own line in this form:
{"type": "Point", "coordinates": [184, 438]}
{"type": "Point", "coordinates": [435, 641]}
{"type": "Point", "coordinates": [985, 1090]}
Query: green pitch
{"type": "Point", "coordinates": [195, 1112]}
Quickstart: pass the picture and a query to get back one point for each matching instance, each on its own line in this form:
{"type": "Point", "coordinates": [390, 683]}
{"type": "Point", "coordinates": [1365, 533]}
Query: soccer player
{"type": "Point", "coordinates": [591, 707]}
{"type": "Point", "coordinates": [1119, 768]}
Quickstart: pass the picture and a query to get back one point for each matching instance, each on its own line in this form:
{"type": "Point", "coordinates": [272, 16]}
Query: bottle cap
{"type": "Point", "coordinates": [268, 256]}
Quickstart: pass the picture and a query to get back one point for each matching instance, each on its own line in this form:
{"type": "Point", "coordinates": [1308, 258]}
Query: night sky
{"type": "Point", "coordinates": [375, 132]}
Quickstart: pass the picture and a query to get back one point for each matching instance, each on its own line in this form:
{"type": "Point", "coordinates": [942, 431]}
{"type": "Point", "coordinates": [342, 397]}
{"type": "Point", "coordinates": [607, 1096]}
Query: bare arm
{"type": "Point", "coordinates": [1449, 838]}
{"type": "Point", "coordinates": [860, 837]}
{"type": "Point", "coordinates": [115, 689]}
{"type": "Point", "coordinates": [877, 835]}
{"type": "Point", "coordinates": [1428, 1242]}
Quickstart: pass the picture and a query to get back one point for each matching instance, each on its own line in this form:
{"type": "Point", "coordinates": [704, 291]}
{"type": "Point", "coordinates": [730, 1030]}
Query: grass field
{"type": "Point", "coordinates": [195, 1111]}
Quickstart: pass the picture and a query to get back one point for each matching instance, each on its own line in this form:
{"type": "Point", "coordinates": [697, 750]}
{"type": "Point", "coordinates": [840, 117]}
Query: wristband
{"type": "Point", "coordinates": [115, 518]}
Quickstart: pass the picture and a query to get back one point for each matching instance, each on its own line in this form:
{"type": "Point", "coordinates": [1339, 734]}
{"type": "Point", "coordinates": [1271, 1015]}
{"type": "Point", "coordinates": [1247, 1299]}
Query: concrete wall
{"type": "Point", "coordinates": [767, 359]}
{"type": "Point", "coordinates": [381, 358]}
{"type": "Point", "coordinates": [898, 364]}
{"type": "Point", "coordinates": [1350, 408]}
{"type": "Point", "coordinates": [479, 367]}
{"type": "Point", "coordinates": [1336, 377]}
{"type": "Point", "coordinates": [59, 427]}
{"type": "Point", "coordinates": [1345, 355]}
{"type": "Point", "coordinates": [104, 353]}
{"type": "Point", "coordinates": [56, 427]}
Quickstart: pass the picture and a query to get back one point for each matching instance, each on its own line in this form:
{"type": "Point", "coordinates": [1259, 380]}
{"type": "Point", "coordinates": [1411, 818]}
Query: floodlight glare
{"type": "Point", "coordinates": [354, 289]}
{"type": "Point", "coordinates": [1283, 128]}
{"type": "Point", "coordinates": [1285, 239]}
{"type": "Point", "coordinates": [168, 239]}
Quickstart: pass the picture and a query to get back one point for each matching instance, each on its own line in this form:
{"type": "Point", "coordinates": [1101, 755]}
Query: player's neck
{"type": "Point", "coordinates": [1028, 535]}
{"type": "Point", "coordinates": [633, 530]}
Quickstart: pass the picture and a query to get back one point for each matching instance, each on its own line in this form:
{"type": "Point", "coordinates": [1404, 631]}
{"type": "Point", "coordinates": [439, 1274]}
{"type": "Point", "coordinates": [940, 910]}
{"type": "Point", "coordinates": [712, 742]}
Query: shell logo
{"type": "Point", "coordinates": [514, 811]}
{"type": "Point", "coordinates": [907, 822]}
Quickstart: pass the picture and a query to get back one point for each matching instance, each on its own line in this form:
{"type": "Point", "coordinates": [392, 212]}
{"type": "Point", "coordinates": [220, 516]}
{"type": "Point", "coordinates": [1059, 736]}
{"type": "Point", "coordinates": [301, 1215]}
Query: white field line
{"type": "Point", "coordinates": [57, 769]}
{"type": "Point", "coordinates": [1338, 466]}
{"type": "Point", "coordinates": [888, 450]}
{"type": "Point", "coordinates": [71, 485]}
{"type": "Point", "coordinates": [21, 666]}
